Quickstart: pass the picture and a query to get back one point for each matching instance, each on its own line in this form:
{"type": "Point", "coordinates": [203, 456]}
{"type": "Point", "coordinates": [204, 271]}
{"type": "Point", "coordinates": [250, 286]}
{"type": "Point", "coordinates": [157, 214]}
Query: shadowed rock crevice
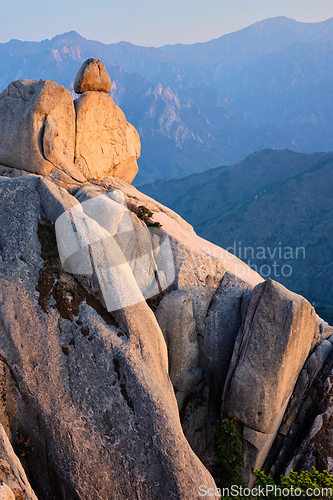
{"type": "Point", "coordinates": [123, 389]}
{"type": "Point", "coordinates": [311, 401]}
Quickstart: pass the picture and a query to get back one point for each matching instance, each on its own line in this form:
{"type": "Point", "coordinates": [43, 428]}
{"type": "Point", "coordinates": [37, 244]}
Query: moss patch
{"type": "Point", "coordinates": [54, 282]}
{"type": "Point", "coordinates": [23, 449]}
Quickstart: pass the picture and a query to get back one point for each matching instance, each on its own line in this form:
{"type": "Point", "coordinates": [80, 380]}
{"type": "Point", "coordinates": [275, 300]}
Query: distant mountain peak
{"type": "Point", "coordinates": [73, 36]}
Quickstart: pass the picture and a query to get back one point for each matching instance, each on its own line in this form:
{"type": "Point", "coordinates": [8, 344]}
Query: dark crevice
{"type": "Point", "coordinates": [313, 403]}
{"type": "Point", "coordinates": [154, 301]}
{"type": "Point", "coordinates": [123, 389]}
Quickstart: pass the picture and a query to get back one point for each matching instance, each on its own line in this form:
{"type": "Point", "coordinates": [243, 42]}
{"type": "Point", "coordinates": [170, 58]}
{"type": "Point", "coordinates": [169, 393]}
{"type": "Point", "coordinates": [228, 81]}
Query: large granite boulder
{"type": "Point", "coordinates": [276, 340]}
{"type": "Point", "coordinates": [269, 353]}
{"type": "Point", "coordinates": [92, 76]}
{"type": "Point", "coordinates": [37, 127]}
{"type": "Point", "coordinates": [40, 130]}
{"type": "Point", "coordinates": [184, 312]}
{"type": "Point", "coordinates": [106, 144]}
{"type": "Point", "coordinates": [92, 396]}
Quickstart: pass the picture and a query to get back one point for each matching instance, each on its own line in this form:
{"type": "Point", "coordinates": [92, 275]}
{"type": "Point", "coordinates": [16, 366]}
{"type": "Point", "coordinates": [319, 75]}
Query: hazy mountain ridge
{"type": "Point", "coordinates": [272, 199]}
{"type": "Point", "coordinates": [202, 105]}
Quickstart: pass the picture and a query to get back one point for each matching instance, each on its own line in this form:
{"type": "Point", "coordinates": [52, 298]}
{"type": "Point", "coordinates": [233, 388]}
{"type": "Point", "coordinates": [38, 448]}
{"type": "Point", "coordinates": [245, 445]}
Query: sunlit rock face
{"type": "Point", "coordinates": [92, 76]}
{"type": "Point", "coordinates": [37, 127]}
{"type": "Point", "coordinates": [42, 130]}
{"type": "Point", "coordinates": [105, 143]}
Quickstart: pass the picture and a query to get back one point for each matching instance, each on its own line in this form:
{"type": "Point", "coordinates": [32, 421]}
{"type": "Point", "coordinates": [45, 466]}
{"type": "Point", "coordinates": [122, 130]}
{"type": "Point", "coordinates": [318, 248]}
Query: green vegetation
{"type": "Point", "coordinates": [313, 485]}
{"type": "Point", "coordinates": [229, 456]}
{"type": "Point", "coordinates": [306, 485]}
{"type": "Point", "coordinates": [145, 214]}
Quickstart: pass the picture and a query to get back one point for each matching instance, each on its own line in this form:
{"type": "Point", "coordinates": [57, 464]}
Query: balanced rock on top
{"type": "Point", "coordinates": [92, 76]}
{"type": "Point", "coordinates": [106, 144]}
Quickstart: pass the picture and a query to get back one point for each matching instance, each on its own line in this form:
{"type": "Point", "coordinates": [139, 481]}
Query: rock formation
{"type": "Point", "coordinates": [92, 76]}
{"type": "Point", "coordinates": [93, 397]}
{"type": "Point", "coordinates": [123, 341]}
{"type": "Point", "coordinates": [42, 130]}
{"type": "Point", "coordinates": [271, 348]}
{"type": "Point", "coordinates": [37, 127]}
{"type": "Point", "coordinates": [105, 143]}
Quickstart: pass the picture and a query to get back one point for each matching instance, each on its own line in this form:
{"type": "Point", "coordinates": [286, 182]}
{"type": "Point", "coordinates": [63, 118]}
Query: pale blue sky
{"type": "Point", "coordinates": [148, 22]}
